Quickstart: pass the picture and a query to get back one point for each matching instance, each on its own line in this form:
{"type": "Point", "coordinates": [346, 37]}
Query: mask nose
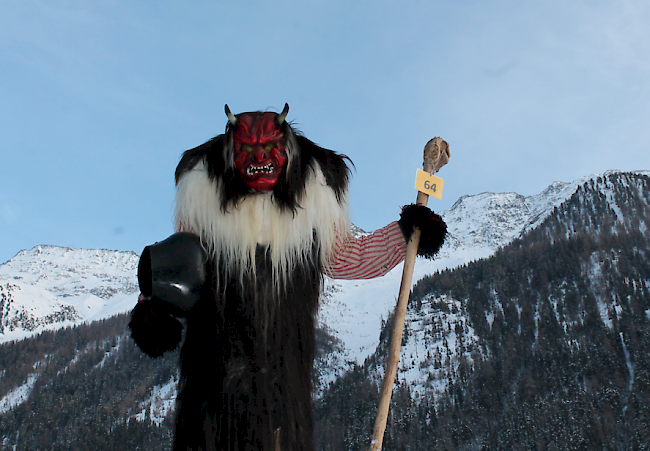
{"type": "Point", "coordinates": [259, 153]}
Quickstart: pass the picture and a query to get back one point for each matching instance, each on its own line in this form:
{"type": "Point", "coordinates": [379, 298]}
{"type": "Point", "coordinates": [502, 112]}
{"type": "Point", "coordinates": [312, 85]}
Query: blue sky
{"type": "Point", "coordinates": [99, 99]}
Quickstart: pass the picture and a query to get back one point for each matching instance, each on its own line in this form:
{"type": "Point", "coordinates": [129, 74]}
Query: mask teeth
{"type": "Point", "coordinates": [261, 169]}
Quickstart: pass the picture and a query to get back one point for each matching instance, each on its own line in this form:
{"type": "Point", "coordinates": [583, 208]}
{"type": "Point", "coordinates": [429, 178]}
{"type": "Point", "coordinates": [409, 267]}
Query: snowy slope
{"type": "Point", "coordinates": [438, 336]}
{"type": "Point", "coordinates": [49, 287]}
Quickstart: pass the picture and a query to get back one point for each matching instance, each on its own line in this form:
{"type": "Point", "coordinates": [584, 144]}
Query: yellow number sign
{"type": "Point", "coordinates": [429, 184]}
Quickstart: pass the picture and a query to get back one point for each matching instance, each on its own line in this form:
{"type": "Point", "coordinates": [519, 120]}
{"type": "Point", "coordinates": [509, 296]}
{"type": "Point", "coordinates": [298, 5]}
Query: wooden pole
{"type": "Point", "coordinates": [436, 155]}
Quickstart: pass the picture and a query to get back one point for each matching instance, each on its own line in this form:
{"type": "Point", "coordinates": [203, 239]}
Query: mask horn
{"type": "Point", "coordinates": [282, 116]}
{"type": "Point", "coordinates": [231, 117]}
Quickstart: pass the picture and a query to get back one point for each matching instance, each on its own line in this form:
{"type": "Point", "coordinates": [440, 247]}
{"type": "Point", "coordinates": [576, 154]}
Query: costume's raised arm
{"type": "Point", "coordinates": [374, 255]}
{"type": "Point", "coordinates": [368, 256]}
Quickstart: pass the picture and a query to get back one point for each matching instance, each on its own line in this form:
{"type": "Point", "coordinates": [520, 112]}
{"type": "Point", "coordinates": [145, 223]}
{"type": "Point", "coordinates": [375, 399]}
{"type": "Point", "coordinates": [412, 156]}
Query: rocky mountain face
{"type": "Point", "coordinates": [476, 345]}
{"type": "Point", "coordinates": [543, 345]}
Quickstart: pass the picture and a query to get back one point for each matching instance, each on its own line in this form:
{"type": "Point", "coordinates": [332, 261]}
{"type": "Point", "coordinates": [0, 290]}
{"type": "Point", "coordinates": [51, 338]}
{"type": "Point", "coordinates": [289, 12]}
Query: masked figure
{"type": "Point", "coordinates": [270, 209]}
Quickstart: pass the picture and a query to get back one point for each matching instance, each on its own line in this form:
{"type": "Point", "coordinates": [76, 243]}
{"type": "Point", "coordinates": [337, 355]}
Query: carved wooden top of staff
{"type": "Point", "coordinates": [436, 155]}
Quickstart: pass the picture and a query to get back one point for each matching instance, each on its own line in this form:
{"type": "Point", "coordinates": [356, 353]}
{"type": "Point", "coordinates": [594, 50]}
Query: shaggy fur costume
{"type": "Point", "coordinates": [247, 356]}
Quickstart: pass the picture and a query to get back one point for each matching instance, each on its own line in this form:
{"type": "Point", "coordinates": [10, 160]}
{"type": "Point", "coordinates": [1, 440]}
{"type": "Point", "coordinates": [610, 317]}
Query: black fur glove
{"type": "Point", "coordinates": [154, 329]}
{"type": "Point", "coordinates": [433, 228]}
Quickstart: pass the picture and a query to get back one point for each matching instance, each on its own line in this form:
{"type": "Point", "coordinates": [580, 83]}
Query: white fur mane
{"type": "Point", "coordinates": [233, 237]}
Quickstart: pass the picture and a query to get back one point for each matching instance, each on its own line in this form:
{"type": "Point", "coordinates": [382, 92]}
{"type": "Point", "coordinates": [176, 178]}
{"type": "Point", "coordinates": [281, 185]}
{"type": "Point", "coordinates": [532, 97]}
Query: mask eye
{"type": "Point", "coordinates": [247, 148]}
{"type": "Point", "coordinates": [269, 147]}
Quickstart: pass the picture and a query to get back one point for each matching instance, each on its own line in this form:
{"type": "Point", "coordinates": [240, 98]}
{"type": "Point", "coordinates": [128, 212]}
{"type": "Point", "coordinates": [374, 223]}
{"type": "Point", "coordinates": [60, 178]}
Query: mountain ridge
{"type": "Point", "coordinates": [477, 226]}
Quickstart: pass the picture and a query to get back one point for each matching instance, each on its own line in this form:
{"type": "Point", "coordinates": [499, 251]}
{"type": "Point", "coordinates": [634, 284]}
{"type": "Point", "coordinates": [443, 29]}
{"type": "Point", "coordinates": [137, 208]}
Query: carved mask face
{"type": "Point", "coordinates": [260, 150]}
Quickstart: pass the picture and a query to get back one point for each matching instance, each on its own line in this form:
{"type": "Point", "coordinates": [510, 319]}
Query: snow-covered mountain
{"type": "Point", "coordinates": [49, 287]}
{"type": "Point", "coordinates": [440, 330]}
{"type": "Point", "coordinates": [453, 335]}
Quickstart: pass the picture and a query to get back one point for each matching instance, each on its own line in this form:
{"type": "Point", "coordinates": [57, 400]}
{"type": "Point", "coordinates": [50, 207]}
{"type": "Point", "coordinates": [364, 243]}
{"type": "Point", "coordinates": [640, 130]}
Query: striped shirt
{"type": "Point", "coordinates": [368, 256]}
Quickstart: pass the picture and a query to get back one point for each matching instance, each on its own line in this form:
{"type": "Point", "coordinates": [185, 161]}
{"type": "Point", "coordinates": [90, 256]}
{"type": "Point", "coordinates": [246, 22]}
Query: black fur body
{"type": "Point", "coordinates": [247, 363]}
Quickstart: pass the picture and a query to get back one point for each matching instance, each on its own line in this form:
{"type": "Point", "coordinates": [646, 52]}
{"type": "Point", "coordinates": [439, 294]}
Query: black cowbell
{"type": "Point", "coordinates": [173, 270]}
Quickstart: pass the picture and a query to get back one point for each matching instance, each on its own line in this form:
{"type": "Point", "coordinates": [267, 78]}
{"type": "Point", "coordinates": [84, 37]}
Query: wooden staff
{"type": "Point", "coordinates": [436, 155]}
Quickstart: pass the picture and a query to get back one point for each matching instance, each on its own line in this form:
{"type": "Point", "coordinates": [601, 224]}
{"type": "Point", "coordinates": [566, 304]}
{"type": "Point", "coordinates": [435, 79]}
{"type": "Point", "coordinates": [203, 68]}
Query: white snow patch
{"type": "Point", "coordinates": [630, 369]}
{"type": "Point", "coordinates": [160, 403]}
{"type": "Point", "coordinates": [603, 299]}
{"type": "Point", "coordinates": [537, 318]}
{"type": "Point", "coordinates": [489, 316]}
{"type": "Point", "coordinates": [113, 352]}
{"type": "Point", "coordinates": [18, 395]}
{"type": "Point", "coordinates": [439, 336]}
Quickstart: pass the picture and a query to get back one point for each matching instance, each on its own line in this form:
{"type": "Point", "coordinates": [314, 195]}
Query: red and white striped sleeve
{"type": "Point", "coordinates": [368, 256]}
